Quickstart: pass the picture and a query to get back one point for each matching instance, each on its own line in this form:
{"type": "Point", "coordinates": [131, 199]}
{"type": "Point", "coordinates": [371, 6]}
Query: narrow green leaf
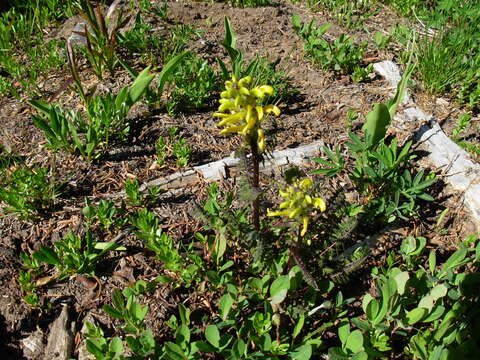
{"type": "Point", "coordinates": [140, 85]}
{"type": "Point", "coordinates": [168, 70]}
{"type": "Point", "coordinates": [415, 315]}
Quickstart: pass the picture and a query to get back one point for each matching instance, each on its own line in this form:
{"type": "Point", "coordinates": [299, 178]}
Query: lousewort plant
{"type": "Point", "coordinates": [242, 111]}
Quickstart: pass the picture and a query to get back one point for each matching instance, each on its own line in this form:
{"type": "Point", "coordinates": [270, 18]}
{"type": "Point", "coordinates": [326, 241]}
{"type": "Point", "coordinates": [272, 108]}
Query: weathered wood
{"type": "Point", "coordinates": [60, 339]}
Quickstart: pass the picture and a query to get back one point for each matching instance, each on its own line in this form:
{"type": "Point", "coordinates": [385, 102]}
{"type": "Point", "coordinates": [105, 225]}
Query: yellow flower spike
{"type": "Point", "coordinates": [306, 184]}
{"type": "Point", "coordinates": [319, 204]}
{"type": "Point", "coordinates": [244, 91]}
{"type": "Point", "coordinates": [232, 118]}
{"type": "Point", "coordinates": [231, 129]}
{"type": "Point", "coordinates": [285, 204]}
{"type": "Point", "coordinates": [266, 89]}
{"type": "Point", "coordinates": [272, 109]}
{"type": "Point", "coordinates": [259, 110]}
{"type": "Point", "coordinates": [221, 115]}
{"type": "Point", "coordinates": [295, 212]}
{"type": "Point", "coordinates": [306, 220]}
{"type": "Point", "coordinates": [245, 81]}
{"type": "Point", "coordinates": [261, 139]}
{"type": "Point", "coordinates": [257, 92]}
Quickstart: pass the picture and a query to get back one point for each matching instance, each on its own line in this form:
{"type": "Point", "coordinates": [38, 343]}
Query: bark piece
{"type": "Point", "coordinates": [60, 339]}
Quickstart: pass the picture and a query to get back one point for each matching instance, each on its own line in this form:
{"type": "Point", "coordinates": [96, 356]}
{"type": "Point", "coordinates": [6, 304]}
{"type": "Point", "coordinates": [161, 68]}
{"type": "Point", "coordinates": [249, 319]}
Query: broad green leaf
{"type": "Point", "coordinates": [225, 305]}
{"type": "Point", "coordinates": [116, 345]}
{"type": "Point", "coordinates": [213, 335]}
{"type": "Point", "coordinates": [41, 105]}
{"type": "Point", "coordinates": [376, 125]}
{"type": "Point", "coordinates": [182, 335]}
{"type": "Point", "coordinates": [174, 352]}
{"type": "Point", "coordinates": [401, 279]}
{"type": "Point", "coordinates": [415, 315]}
{"type": "Point", "coordinates": [385, 302]}
{"type": "Point", "coordinates": [455, 259]}
{"type": "Point", "coordinates": [184, 314]}
{"type": "Point", "coordinates": [303, 352]}
{"type": "Point", "coordinates": [336, 353]}
{"type": "Point", "coordinates": [279, 289]}
{"type": "Point", "coordinates": [438, 291]}
{"type": "Point", "coordinates": [426, 302]}
{"type": "Point", "coordinates": [432, 261]}
{"type": "Point", "coordinates": [111, 245]}
{"type": "Point", "coordinates": [113, 312]}
{"type": "Point", "coordinates": [355, 341]}
{"type": "Point", "coordinates": [344, 332]}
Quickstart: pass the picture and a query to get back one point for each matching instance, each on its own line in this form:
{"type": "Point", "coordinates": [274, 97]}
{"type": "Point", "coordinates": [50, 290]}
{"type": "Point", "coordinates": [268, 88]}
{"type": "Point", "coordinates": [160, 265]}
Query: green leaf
{"type": "Point", "coordinates": [225, 305]}
{"type": "Point", "coordinates": [111, 311]}
{"type": "Point", "coordinates": [376, 125]}
{"type": "Point", "coordinates": [303, 352]}
{"type": "Point", "coordinates": [168, 69]}
{"type": "Point", "coordinates": [438, 291]}
{"type": "Point", "coordinates": [47, 255]}
{"type": "Point", "coordinates": [116, 345]}
{"type": "Point", "coordinates": [279, 289]}
{"type": "Point", "coordinates": [415, 315]}
{"type": "Point", "coordinates": [140, 85]}
{"type": "Point", "coordinates": [437, 312]}
{"type": "Point", "coordinates": [432, 261]}
{"type": "Point", "coordinates": [182, 335]}
{"type": "Point", "coordinates": [401, 279]}
{"type": "Point", "coordinates": [455, 259]}
{"type": "Point", "coordinates": [213, 335]}
{"type": "Point", "coordinates": [336, 353]}
{"type": "Point", "coordinates": [344, 332]}
{"type": "Point", "coordinates": [355, 341]}
{"type": "Point", "coordinates": [174, 352]}
{"type": "Point", "coordinates": [298, 326]}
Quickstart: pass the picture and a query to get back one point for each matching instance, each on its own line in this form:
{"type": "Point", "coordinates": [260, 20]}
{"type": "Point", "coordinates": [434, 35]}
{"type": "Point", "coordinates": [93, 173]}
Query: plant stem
{"type": "Point", "coordinates": [255, 182]}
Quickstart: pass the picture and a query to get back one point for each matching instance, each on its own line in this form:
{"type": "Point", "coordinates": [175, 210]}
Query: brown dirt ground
{"type": "Point", "coordinates": [317, 113]}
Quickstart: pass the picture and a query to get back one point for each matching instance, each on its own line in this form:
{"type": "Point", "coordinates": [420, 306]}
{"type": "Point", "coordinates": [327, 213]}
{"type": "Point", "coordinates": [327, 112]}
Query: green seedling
{"type": "Point", "coordinates": [75, 255]}
{"type": "Point", "coordinates": [29, 287]}
{"type": "Point", "coordinates": [28, 193]}
{"type": "Point", "coordinates": [105, 213]}
{"type": "Point", "coordinates": [182, 152]}
{"type": "Point", "coordinates": [194, 82]}
{"type": "Point", "coordinates": [105, 119]}
{"type": "Point", "coordinates": [101, 36]}
{"type": "Point", "coordinates": [341, 56]}
{"type": "Point", "coordinates": [163, 246]}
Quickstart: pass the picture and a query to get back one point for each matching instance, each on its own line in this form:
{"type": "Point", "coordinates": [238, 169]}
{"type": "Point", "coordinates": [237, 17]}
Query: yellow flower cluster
{"type": "Point", "coordinates": [240, 110]}
{"type": "Point", "coordinates": [298, 203]}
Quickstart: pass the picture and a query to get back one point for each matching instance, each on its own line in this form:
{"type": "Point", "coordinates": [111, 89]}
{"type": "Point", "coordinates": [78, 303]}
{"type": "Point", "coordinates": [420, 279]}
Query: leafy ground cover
{"type": "Point", "coordinates": [359, 254]}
